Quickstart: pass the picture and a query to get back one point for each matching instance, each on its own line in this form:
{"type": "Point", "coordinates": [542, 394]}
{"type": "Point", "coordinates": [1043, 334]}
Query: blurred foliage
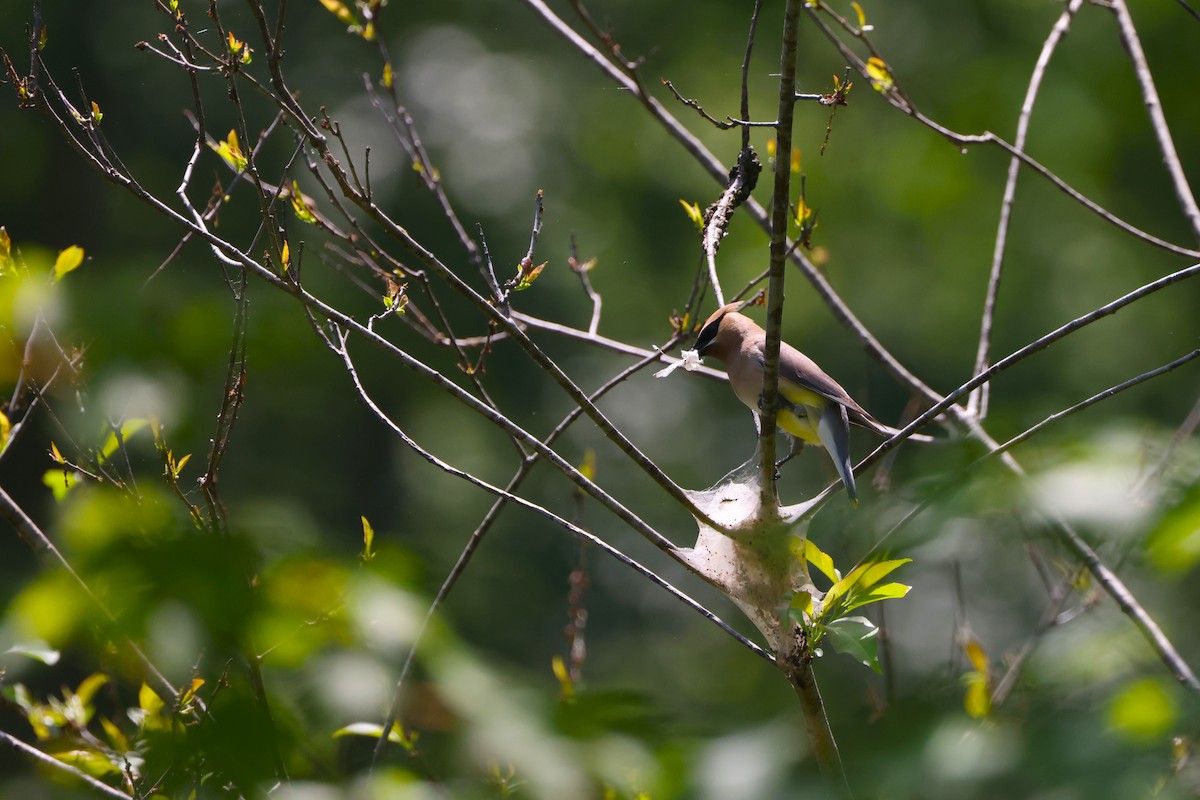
{"type": "Point", "coordinates": [287, 641]}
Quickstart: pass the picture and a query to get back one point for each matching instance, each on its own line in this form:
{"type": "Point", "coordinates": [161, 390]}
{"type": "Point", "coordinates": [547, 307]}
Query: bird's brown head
{"type": "Point", "coordinates": [722, 331]}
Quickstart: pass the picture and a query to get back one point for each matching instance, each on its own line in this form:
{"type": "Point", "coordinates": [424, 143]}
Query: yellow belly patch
{"type": "Point", "coordinates": [800, 427]}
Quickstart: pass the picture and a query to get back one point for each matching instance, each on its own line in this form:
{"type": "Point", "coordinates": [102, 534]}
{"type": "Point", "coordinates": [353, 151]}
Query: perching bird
{"type": "Point", "coordinates": [811, 407]}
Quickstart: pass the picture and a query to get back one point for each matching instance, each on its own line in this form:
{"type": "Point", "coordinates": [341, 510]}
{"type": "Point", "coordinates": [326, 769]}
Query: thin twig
{"type": "Point", "coordinates": [977, 403]}
{"type": "Point", "coordinates": [55, 765]}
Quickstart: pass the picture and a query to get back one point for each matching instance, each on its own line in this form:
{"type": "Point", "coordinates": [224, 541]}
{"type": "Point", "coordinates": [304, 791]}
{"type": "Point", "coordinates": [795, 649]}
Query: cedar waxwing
{"type": "Point", "coordinates": [812, 407]}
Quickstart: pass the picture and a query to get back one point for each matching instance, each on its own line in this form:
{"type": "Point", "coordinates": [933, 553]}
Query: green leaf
{"type": "Point", "coordinates": [857, 637]}
{"type": "Point", "coordinates": [5, 431]}
{"type": "Point", "coordinates": [60, 481]}
{"type": "Point", "coordinates": [68, 260]}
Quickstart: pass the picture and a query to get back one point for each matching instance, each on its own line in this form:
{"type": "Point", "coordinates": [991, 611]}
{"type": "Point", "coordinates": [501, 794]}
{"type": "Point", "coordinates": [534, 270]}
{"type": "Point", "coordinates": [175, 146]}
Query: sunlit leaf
{"type": "Point", "coordinates": [816, 557]}
{"type": "Point", "coordinates": [342, 11]}
{"type": "Point", "coordinates": [149, 701]}
{"type": "Point", "coordinates": [127, 430]}
{"type": "Point", "coordinates": [801, 607]}
{"type": "Point", "coordinates": [527, 274]}
{"type": "Point", "coordinates": [190, 693]}
{"type": "Point", "coordinates": [92, 762]}
{"type": "Point", "coordinates": [368, 552]}
{"type": "Point", "coordinates": [694, 213]}
{"type": "Point", "coordinates": [387, 79]}
{"type": "Point", "coordinates": [285, 255]}
{"type": "Point", "coordinates": [89, 686]}
{"type": "Point", "coordinates": [565, 684]}
{"type": "Point", "coordinates": [5, 431]}
{"type": "Point", "coordinates": [862, 18]}
{"type": "Point", "coordinates": [61, 481]}
{"type": "Point", "coordinates": [116, 737]}
{"type": "Point", "coordinates": [300, 205]}
{"type": "Point", "coordinates": [373, 730]}
{"type": "Point", "coordinates": [880, 74]}
{"type": "Point", "coordinates": [239, 49]}
{"type": "Point", "coordinates": [856, 637]}
{"type": "Point", "coordinates": [97, 114]}
{"type": "Point", "coordinates": [887, 591]}
{"type": "Point", "coordinates": [977, 700]}
{"type": "Point", "coordinates": [231, 152]}
{"type": "Point", "coordinates": [68, 260]}
{"type": "Point", "coordinates": [6, 256]}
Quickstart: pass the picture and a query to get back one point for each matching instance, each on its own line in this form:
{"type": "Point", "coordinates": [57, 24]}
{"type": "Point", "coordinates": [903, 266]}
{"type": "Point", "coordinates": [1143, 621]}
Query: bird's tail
{"type": "Point", "coordinates": [834, 430]}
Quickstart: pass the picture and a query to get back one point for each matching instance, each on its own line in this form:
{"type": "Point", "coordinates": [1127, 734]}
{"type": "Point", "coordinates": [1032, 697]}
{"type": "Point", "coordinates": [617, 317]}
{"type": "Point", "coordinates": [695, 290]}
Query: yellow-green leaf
{"type": "Point", "coordinates": [386, 80]}
{"type": "Point", "coordinates": [588, 468]}
{"type": "Point", "coordinates": [68, 260]}
{"type": "Point", "coordinates": [880, 74]}
{"type": "Point", "coordinates": [128, 429]}
{"type": "Point", "coordinates": [6, 258]}
{"type": "Point", "coordinates": [300, 205]}
{"type": "Point", "coordinates": [285, 255]}
{"type": "Point", "coordinates": [149, 701]}
{"type": "Point", "coordinates": [60, 481]}
{"type": "Point", "coordinates": [231, 152]}
{"type": "Point", "coordinates": [396, 735]}
{"type": "Point", "coordinates": [239, 49]}
{"type": "Point", "coordinates": [694, 213]}
{"type": "Point", "coordinates": [93, 762]}
{"type": "Point", "coordinates": [527, 274]}
{"type": "Point", "coordinates": [368, 552]}
{"type": "Point", "coordinates": [565, 684]}
{"type": "Point", "coordinates": [863, 27]}
{"type": "Point", "coordinates": [190, 692]}
{"type": "Point", "coordinates": [341, 10]}
{"type": "Point", "coordinates": [89, 686]}
{"type": "Point", "coordinates": [977, 700]}
{"type": "Point", "coordinates": [5, 431]}
{"type": "Point", "coordinates": [821, 560]}
{"type": "Point", "coordinates": [97, 114]}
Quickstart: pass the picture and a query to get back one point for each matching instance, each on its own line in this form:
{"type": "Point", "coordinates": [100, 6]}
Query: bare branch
{"type": "Point", "coordinates": [978, 401]}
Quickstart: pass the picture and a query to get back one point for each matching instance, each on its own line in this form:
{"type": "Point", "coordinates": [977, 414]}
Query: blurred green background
{"type": "Point", "coordinates": [669, 706]}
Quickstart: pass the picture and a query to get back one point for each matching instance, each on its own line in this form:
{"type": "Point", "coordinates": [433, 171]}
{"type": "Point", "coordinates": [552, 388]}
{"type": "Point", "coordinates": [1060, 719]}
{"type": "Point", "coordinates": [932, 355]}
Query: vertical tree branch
{"type": "Point", "coordinates": [780, 204]}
